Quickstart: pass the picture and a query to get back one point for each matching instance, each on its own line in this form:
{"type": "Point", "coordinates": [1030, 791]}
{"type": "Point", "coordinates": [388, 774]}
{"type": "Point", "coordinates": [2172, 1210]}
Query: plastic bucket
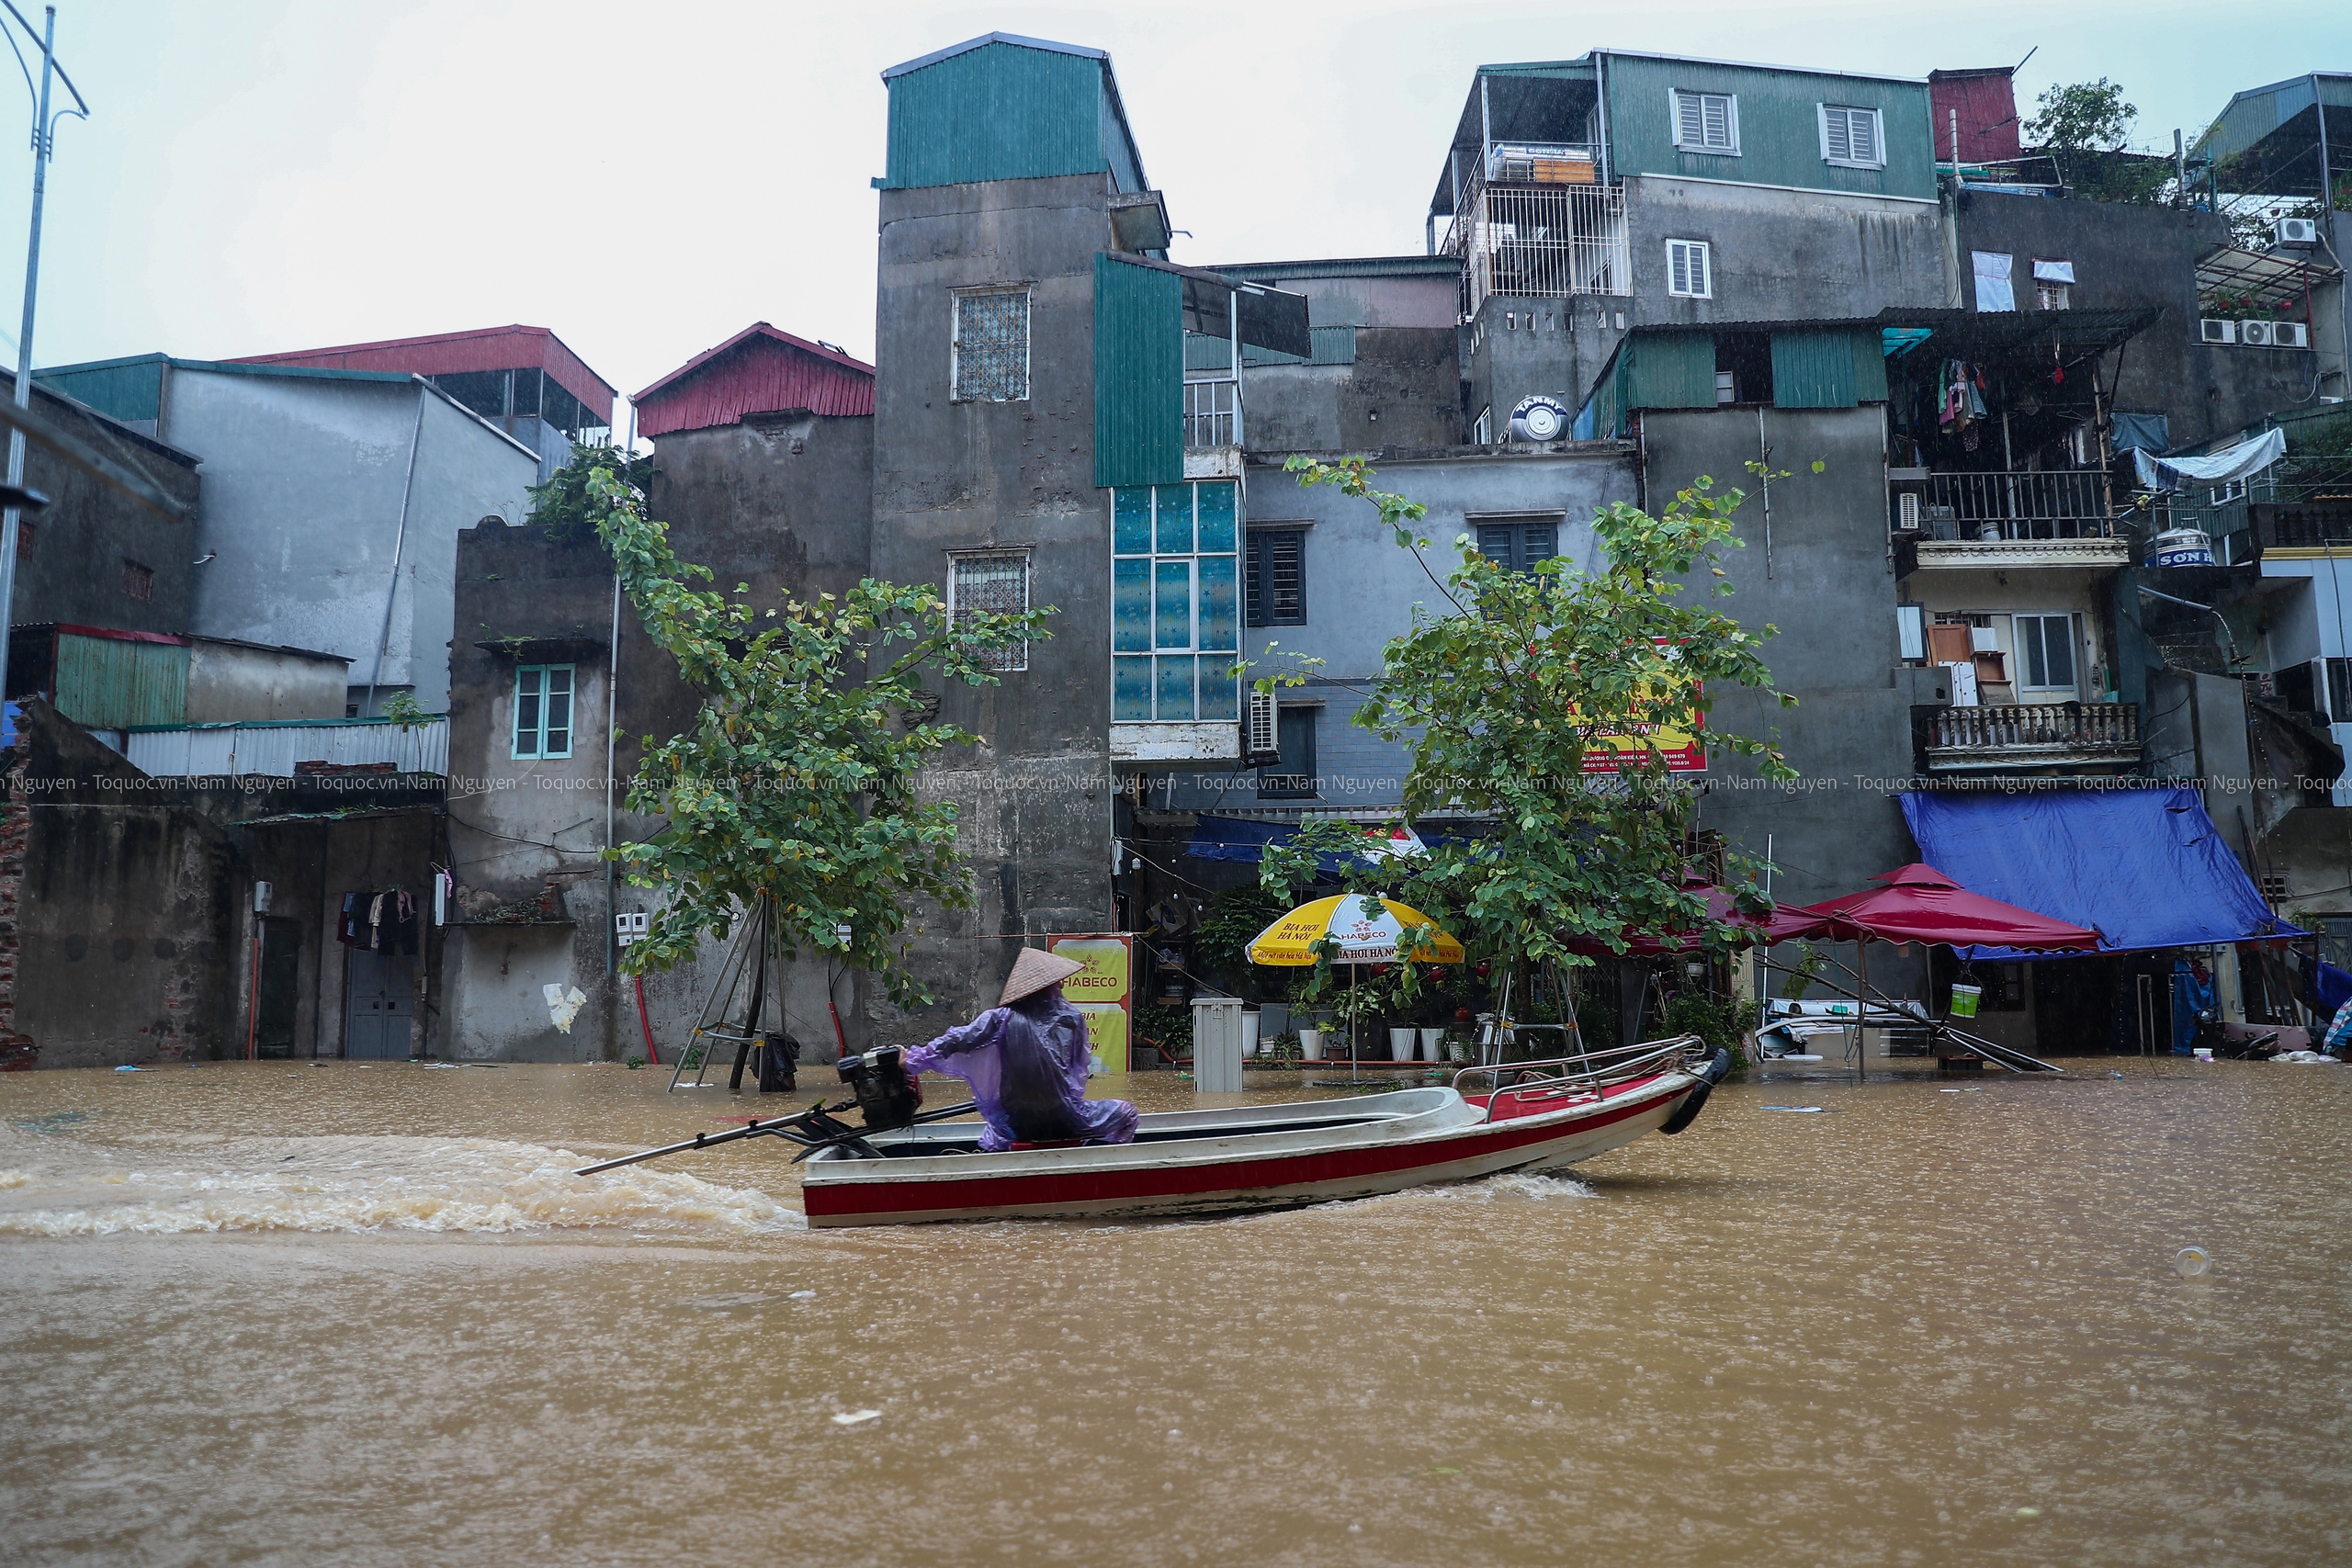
{"type": "Point", "coordinates": [1310, 1044]}
{"type": "Point", "coordinates": [1401, 1042]}
{"type": "Point", "coordinates": [1964, 1001]}
{"type": "Point", "coordinates": [1250, 1035]}
{"type": "Point", "coordinates": [1433, 1044]}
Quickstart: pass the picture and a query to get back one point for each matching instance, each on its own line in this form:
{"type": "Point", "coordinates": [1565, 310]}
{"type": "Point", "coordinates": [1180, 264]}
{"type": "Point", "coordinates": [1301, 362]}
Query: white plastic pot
{"type": "Point", "coordinates": [1400, 1044]}
{"type": "Point", "coordinates": [1249, 1036]}
{"type": "Point", "coordinates": [1310, 1044]}
{"type": "Point", "coordinates": [1433, 1044]}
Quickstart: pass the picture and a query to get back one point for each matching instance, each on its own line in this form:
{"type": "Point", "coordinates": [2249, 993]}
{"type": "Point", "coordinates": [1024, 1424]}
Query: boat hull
{"type": "Point", "coordinates": [1213, 1167]}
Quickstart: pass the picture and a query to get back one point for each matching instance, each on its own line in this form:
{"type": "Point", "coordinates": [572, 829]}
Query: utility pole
{"type": "Point", "coordinates": [44, 136]}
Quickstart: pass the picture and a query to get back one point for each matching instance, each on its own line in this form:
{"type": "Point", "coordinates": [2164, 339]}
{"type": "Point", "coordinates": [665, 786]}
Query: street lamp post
{"type": "Point", "coordinates": [44, 135]}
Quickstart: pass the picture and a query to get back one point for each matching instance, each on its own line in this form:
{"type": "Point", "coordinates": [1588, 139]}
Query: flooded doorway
{"type": "Point", "coordinates": [380, 999]}
{"type": "Point", "coordinates": [277, 990]}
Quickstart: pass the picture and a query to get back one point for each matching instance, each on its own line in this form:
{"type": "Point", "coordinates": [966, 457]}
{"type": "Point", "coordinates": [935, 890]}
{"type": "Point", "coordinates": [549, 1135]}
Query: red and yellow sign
{"type": "Point", "coordinates": [1102, 992]}
{"type": "Point", "coordinates": [1681, 743]}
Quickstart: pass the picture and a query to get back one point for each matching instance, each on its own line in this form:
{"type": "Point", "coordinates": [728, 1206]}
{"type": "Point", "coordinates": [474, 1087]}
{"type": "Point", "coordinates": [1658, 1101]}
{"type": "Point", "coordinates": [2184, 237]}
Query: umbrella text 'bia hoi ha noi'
{"type": "Point", "coordinates": [1353, 929]}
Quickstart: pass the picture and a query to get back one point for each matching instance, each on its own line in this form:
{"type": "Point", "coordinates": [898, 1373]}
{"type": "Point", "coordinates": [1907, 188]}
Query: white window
{"type": "Point", "coordinates": [2054, 283]}
{"type": "Point", "coordinates": [1688, 272]}
{"type": "Point", "coordinates": [999, 581]}
{"type": "Point", "coordinates": [542, 711]}
{"type": "Point", "coordinates": [991, 347]}
{"type": "Point", "coordinates": [1911, 632]}
{"type": "Point", "coordinates": [1483, 434]}
{"type": "Point", "coordinates": [1849, 138]}
{"type": "Point", "coordinates": [1994, 290]}
{"type": "Point", "coordinates": [1706, 122]}
{"type": "Point", "coordinates": [2045, 653]}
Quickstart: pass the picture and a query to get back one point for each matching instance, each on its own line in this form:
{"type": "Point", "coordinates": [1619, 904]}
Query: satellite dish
{"type": "Point", "coordinates": [1539, 418]}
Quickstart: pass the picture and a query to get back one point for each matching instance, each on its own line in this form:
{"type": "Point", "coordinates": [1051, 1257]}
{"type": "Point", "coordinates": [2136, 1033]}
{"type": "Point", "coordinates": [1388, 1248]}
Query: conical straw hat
{"type": "Point", "coordinates": [1034, 971]}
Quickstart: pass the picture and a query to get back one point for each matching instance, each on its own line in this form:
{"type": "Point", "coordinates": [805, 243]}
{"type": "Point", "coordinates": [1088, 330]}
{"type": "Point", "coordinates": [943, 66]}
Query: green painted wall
{"type": "Point", "coordinates": [121, 389]}
{"type": "Point", "coordinates": [1139, 374]}
{"type": "Point", "coordinates": [108, 684]}
{"type": "Point", "coordinates": [1779, 126]}
{"type": "Point", "coordinates": [1002, 112]}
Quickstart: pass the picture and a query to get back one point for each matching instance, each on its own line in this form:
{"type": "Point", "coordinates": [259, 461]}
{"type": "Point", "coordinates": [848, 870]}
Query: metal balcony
{"type": "Point", "coordinates": [2047, 518]}
{"type": "Point", "coordinates": [2030, 735]}
{"type": "Point", "coordinates": [1545, 240]}
{"type": "Point", "coordinates": [1212, 414]}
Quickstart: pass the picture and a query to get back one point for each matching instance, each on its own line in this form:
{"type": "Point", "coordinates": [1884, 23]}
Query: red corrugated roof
{"type": "Point", "coordinates": [450, 353]}
{"type": "Point", "coordinates": [1985, 101]}
{"type": "Point", "coordinates": [759, 370]}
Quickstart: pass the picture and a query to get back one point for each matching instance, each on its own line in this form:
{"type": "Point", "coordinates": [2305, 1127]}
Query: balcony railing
{"type": "Point", "coordinates": [2005, 507]}
{"type": "Point", "coordinates": [1548, 239]}
{"type": "Point", "coordinates": [1212, 414]}
{"type": "Point", "coordinates": [2032, 733]}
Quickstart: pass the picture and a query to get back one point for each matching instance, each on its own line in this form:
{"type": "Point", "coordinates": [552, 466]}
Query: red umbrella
{"type": "Point", "coordinates": [1781, 925]}
{"type": "Point", "coordinates": [1919, 903]}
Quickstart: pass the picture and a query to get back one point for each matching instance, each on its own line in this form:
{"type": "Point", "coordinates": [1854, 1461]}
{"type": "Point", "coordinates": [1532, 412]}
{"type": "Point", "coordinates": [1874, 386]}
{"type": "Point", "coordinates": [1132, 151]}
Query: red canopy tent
{"type": "Point", "coordinates": [1919, 903]}
{"type": "Point", "coordinates": [1781, 925]}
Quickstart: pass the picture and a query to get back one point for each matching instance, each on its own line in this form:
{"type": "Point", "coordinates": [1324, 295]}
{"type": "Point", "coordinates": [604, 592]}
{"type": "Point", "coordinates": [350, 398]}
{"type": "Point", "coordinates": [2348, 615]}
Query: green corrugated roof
{"type": "Point", "coordinates": [1347, 266]}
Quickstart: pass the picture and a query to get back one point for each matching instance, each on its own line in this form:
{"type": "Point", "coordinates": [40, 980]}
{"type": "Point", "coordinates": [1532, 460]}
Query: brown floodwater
{"type": "Point", "coordinates": [361, 1313]}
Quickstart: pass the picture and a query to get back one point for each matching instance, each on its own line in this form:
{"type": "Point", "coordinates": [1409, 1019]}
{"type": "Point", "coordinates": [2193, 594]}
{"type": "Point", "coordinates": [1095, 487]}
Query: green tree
{"type": "Point", "coordinates": [800, 778]}
{"type": "Point", "coordinates": [565, 510]}
{"type": "Point", "coordinates": [2084, 127]}
{"type": "Point", "coordinates": [1547, 700]}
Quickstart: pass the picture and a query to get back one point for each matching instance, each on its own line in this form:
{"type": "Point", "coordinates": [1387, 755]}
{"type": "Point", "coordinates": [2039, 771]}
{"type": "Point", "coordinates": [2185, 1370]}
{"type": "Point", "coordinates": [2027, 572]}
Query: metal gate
{"type": "Point", "coordinates": [380, 1001]}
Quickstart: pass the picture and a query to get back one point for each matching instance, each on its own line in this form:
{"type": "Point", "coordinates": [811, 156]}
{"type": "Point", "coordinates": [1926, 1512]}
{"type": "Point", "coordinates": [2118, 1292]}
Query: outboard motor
{"type": "Point", "coordinates": [1718, 1069]}
{"type": "Point", "coordinates": [887, 1096]}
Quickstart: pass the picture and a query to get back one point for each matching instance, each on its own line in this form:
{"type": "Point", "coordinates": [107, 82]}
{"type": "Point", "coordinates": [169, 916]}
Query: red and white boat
{"type": "Point", "coordinates": [1530, 1116]}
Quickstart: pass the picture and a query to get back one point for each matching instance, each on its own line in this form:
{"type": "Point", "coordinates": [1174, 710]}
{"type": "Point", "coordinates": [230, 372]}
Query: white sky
{"type": "Point", "coordinates": [647, 180]}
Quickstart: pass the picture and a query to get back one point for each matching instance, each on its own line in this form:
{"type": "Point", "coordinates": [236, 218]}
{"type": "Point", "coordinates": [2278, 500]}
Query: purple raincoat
{"type": "Point", "coordinates": [1026, 1063]}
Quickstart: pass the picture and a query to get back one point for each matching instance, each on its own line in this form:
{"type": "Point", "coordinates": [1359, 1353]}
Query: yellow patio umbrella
{"type": "Point", "coordinates": [1398, 931]}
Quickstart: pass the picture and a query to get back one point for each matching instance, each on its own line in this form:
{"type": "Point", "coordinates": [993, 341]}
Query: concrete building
{"type": "Point", "coordinates": [763, 457]}
{"type": "Point", "coordinates": [1589, 196]}
{"type": "Point", "coordinates": [332, 502]}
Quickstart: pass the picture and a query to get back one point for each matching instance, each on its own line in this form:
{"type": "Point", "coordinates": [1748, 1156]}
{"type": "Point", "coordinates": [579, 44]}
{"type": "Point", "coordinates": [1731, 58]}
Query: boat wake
{"type": "Point", "coordinates": [1511, 1186]}
{"type": "Point", "coordinates": [364, 1184]}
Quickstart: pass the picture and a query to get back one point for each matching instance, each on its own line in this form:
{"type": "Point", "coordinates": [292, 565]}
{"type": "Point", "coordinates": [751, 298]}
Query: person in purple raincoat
{"type": "Point", "coordinates": [1026, 1060]}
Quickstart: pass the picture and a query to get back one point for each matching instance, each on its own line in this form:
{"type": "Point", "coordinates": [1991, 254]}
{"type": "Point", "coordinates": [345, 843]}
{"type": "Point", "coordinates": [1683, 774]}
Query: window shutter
{"type": "Point", "coordinates": [1260, 738]}
{"type": "Point", "coordinates": [1864, 135]}
{"type": "Point", "coordinates": [1837, 140]}
{"type": "Point", "coordinates": [1718, 121]}
{"type": "Point", "coordinates": [1690, 128]}
{"type": "Point", "coordinates": [1699, 283]}
{"type": "Point", "coordinates": [1678, 267]}
{"type": "Point", "coordinates": [1285, 580]}
{"type": "Point", "coordinates": [1253, 581]}
{"type": "Point", "coordinates": [1538, 542]}
{"type": "Point", "coordinates": [1494, 543]}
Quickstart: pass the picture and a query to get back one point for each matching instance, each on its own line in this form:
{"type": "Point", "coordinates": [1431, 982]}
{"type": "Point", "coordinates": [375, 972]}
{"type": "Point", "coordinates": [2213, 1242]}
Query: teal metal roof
{"type": "Point", "coordinates": [131, 387]}
{"type": "Point", "coordinates": [1346, 266]}
{"type": "Point", "coordinates": [2266, 141]}
{"type": "Point", "coordinates": [1003, 106]}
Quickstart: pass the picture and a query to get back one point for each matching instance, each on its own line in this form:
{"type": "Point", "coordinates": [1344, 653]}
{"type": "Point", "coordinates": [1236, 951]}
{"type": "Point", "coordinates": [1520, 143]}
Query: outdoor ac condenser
{"type": "Point", "coordinates": [1261, 734]}
{"type": "Point", "coordinates": [2289, 334]}
{"type": "Point", "coordinates": [2295, 231]}
{"type": "Point", "coordinates": [2210, 331]}
{"type": "Point", "coordinates": [2255, 333]}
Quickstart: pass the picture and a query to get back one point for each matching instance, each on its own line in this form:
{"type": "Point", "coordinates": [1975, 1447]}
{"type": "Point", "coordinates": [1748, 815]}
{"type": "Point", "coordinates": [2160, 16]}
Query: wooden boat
{"type": "Point", "coordinates": [1531, 1116]}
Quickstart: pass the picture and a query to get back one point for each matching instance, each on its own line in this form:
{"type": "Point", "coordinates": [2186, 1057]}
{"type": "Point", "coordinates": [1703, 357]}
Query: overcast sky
{"type": "Point", "coordinates": [647, 180]}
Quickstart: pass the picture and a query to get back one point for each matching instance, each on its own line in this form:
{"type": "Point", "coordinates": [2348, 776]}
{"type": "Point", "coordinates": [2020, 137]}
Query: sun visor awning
{"type": "Point", "coordinates": [2145, 867]}
{"type": "Point", "coordinates": [1269, 318]}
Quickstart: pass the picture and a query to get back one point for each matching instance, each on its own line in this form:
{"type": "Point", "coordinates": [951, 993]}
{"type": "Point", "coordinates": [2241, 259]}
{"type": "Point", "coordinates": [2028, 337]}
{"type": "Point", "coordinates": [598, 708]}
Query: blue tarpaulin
{"type": "Point", "coordinates": [1235, 837]}
{"type": "Point", "coordinates": [2144, 866]}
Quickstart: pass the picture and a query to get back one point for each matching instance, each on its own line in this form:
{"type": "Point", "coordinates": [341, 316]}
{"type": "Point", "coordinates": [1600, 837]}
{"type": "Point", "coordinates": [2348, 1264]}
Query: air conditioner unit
{"type": "Point", "coordinates": [2210, 331]}
{"type": "Point", "coordinates": [2289, 334]}
{"type": "Point", "coordinates": [2255, 333]}
{"type": "Point", "coordinates": [1260, 736]}
{"type": "Point", "coordinates": [2295, 231]}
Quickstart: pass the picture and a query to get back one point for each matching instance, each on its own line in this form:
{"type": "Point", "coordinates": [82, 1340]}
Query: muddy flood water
{"type": "Point", "coordinates": [361, 1314]}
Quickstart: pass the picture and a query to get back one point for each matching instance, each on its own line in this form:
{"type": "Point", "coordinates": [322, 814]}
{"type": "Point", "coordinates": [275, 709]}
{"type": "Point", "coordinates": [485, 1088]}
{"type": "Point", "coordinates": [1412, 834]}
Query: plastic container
{"type": "Point", "coordinates": [1433, 1044]}
{"type": "Point", "coordinates": [1250, 1035]}
{"type": "Point", "coordinates": [1310, 1044]}
{"type": "Point", "coordinates": [1401, 1042]}
{"type": "Point", "coordinates": [1964, 1001]}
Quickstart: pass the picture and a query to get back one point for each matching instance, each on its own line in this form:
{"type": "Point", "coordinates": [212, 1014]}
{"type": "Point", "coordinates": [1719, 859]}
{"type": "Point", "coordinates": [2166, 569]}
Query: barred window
{"type": "Point", "coordinates": [998, 582]}
{"type": "Point", "coordinates": [138, 580]}
{"type": "Point", "coordinates": [991, 351]}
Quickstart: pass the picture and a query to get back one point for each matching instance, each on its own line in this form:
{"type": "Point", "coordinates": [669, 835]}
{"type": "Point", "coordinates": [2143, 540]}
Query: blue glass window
{"type": "Point", "coordinates": [1175, 594]}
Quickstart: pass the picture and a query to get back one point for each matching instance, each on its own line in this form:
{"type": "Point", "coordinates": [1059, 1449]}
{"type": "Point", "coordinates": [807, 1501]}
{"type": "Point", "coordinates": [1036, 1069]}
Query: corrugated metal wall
{"type": "Point", "coordinates": [1828, 367]}
{"type": "Point", "coordinates": [1672, 371]}
{"type": "Point", "coordinates": [1138, 375]}
{"type": "Point", "coordinates": [757, 375]}
{"type": "Point", "coordinates": [998, 112]}
{"type": "Point", "coordinates": [121, 389]}
{"type": "Point", "coordinates": [229, 749]}
{"type": "Point", "coordinates": [110, 684]}
{"type": "Point", "coordinates": [1779, 126]}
